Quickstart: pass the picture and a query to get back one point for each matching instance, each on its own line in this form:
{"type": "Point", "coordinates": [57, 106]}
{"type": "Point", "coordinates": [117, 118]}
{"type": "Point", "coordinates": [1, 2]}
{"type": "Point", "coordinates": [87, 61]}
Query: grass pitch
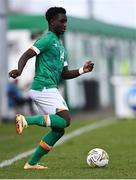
{"type": "Point", "coordinates": [68, 161]}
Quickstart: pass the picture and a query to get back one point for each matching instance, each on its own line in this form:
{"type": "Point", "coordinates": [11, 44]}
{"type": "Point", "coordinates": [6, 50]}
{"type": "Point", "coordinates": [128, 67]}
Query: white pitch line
{"type": "Point", "coordinates": [70, 135]}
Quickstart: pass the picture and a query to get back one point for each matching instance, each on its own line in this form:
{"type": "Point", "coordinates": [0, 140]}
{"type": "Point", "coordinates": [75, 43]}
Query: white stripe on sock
{"type": "Point", "coordinates": [49, 121]}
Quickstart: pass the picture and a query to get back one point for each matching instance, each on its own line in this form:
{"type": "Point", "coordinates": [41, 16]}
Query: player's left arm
{"type": "Point", "coordinates": [70, 74]}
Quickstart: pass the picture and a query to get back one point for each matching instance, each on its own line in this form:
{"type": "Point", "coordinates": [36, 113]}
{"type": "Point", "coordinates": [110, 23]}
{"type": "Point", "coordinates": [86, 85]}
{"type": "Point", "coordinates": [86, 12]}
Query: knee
{"type": "Point", "coordinates": [65, 115]}
{"type": "Point", "coordinates": [68, 120]}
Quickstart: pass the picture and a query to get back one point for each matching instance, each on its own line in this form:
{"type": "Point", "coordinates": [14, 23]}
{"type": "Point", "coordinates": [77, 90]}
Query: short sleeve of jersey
{"type": "Point", "coordinates": [42, 44]}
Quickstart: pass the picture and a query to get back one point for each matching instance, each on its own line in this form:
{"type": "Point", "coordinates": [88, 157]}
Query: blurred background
{"type": "Point", "coordinates": [101, 30]}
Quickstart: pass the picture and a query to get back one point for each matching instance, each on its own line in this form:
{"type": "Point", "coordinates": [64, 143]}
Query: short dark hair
{"type": "Point", "coordinates": [53, 11]}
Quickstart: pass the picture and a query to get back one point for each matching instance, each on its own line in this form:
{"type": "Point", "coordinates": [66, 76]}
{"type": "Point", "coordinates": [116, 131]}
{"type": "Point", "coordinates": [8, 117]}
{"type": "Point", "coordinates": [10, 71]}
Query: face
{"type": "Point", "coordinates": [59, 24]}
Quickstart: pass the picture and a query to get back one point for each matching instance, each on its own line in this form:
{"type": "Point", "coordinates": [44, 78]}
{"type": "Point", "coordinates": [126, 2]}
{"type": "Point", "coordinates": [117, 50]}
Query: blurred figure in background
{"type": "Point", "coordinates": [16, 100]}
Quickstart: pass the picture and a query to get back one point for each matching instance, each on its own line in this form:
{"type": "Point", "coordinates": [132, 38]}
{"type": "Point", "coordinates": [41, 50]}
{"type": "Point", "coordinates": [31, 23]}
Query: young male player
{"type": "Point", "coordinates": [51, 64]}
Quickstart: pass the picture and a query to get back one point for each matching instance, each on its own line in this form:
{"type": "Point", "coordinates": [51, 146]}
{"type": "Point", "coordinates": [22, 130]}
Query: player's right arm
{"type": "Point", "coordinates": [22, 62]}
{"type": "Point", "coordinates": [41, 44]}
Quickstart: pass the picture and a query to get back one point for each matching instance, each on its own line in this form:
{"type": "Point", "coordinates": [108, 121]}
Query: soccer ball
{"type": "Point", "coordinates": [97, 158]}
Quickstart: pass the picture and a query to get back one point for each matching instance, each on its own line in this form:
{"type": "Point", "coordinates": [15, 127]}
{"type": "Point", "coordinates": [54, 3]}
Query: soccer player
{"type": "Point", "coordinates": [51, 64]}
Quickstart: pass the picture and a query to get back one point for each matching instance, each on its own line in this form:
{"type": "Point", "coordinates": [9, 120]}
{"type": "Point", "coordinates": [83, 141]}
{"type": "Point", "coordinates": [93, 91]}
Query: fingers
{"type": "Point", "coordinates": [90, 68]}
{"type": "Point", "coordinates": [13, 74]}
{"type": "Point", "coordinates": [90, 65]}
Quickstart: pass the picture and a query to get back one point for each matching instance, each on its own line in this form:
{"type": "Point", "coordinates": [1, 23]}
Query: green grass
{"type": "Point", "coordinates": [68, 161]}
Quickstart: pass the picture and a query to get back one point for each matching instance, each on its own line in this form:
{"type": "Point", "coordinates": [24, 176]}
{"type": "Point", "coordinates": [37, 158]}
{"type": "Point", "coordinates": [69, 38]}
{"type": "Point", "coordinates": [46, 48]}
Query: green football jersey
{"type": "Point", "coordinates": [50, 60]}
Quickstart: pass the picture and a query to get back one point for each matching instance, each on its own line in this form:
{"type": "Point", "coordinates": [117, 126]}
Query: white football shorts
{"type": "Point", "coordinates": [48, 101]}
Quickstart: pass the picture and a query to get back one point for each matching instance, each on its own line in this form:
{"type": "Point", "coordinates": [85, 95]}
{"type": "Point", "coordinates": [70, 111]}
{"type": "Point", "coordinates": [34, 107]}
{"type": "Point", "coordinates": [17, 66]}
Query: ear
{"type": "Point", "coordinates": [52, 22]}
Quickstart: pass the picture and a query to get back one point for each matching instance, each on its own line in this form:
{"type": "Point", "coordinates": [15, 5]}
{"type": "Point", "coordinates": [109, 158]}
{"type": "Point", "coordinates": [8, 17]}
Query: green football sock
{"type": "Point", "coordinates": [47, 120]}
{"type": "Point", "coordinates": [50, 139]}
{"type": "Point", "coordinates": [36, 120]}
{"type": "Point", "coordinates": [39, 152]}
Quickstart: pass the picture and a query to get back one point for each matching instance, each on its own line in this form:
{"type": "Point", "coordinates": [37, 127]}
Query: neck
{"type": "Point", "coordinates": [52, 30]}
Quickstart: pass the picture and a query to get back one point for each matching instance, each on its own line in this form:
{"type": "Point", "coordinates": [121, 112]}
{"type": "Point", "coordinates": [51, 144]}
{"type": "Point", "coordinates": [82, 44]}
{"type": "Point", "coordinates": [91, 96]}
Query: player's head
{"type": "Point", "coordinates": [57, 19]}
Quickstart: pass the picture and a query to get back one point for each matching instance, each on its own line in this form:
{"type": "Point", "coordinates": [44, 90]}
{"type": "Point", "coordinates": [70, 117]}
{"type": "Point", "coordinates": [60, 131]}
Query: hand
{"type": "Point", "coordinates": [14, 73]}
{"type": "Point", "coordinates": [88, 66]}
